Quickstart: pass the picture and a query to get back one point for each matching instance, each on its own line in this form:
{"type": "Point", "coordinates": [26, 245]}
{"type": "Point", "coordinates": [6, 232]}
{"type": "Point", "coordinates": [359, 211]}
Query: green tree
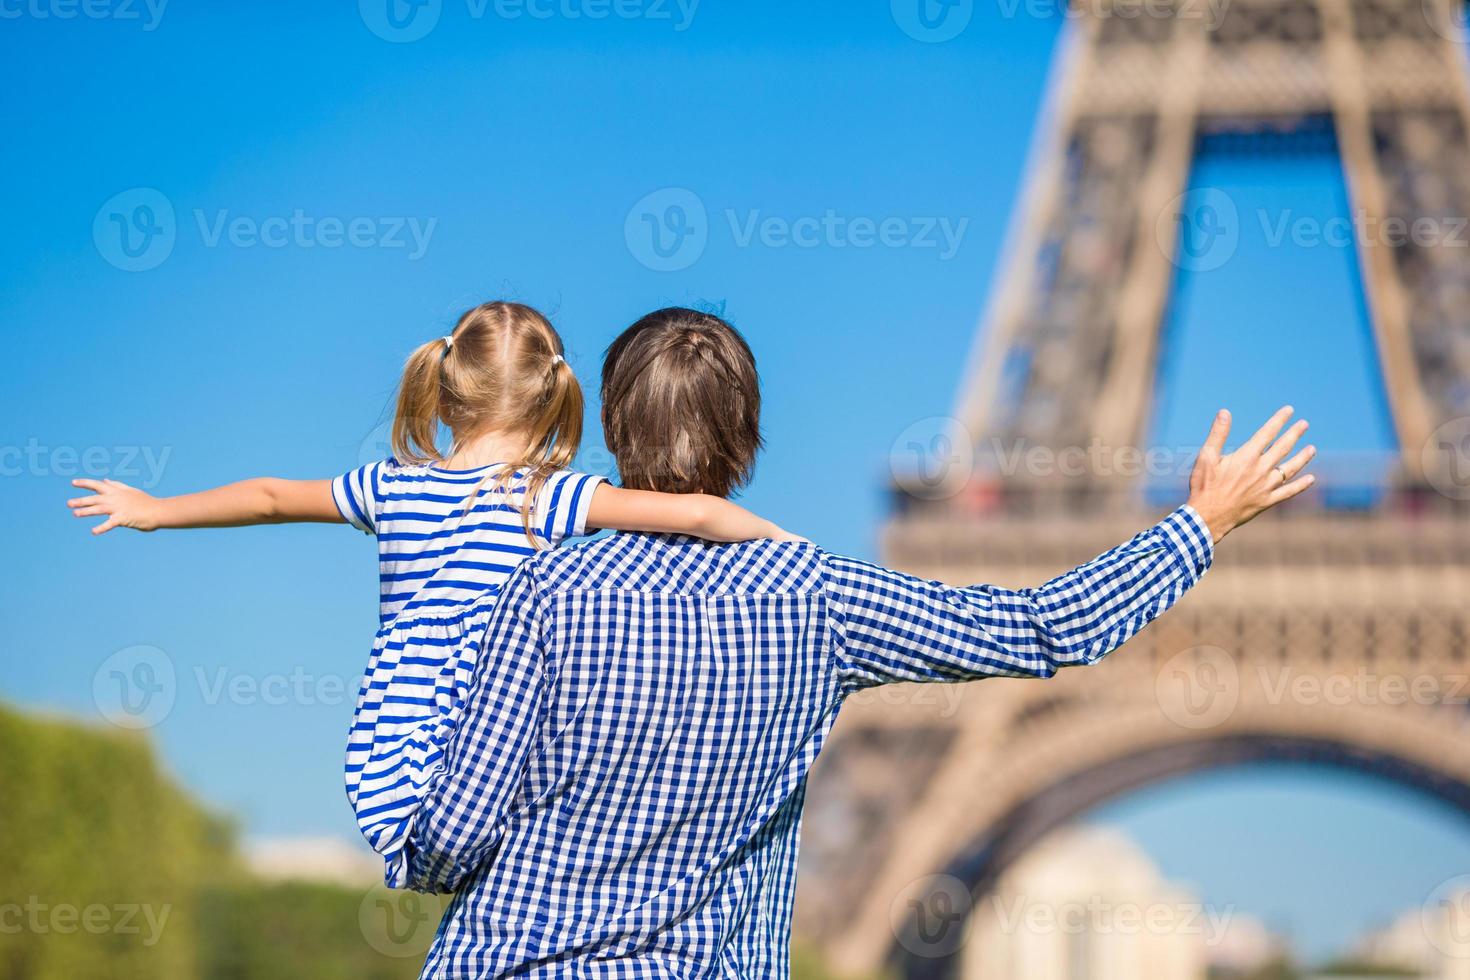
{"type": "Point", "coordinates": [103, 855]}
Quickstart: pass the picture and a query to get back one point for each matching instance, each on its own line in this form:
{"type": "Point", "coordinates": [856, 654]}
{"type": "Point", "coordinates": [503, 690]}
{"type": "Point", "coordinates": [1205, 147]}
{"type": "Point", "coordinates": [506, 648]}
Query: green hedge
{"type": "Point", "coordinates": [109, 870]}
{"type": "Point", "coordinates": [102, 855]}
{"type": "Point", "coordinates": [270, 931]}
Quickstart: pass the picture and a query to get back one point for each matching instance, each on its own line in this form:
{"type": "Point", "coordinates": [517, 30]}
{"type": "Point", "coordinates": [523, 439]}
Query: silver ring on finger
{"type": "Point", "coordinates": [1281, 473]}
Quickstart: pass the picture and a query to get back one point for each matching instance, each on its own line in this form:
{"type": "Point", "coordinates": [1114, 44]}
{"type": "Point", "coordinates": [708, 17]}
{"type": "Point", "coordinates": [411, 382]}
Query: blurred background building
{"type": "Point", "coordinates": [1089, 903]}
{"type": "Point", "coordinates": [1433, 941]}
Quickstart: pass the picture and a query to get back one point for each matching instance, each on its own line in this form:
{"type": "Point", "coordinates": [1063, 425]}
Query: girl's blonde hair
{"type": "Point", "coordinates": [503, 369]}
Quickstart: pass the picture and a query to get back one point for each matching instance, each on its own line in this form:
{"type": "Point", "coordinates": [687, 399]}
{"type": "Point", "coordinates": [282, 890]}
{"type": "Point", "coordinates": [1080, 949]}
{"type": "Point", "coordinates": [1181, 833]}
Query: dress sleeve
{"type": "Point", "coordinates": [356, 496]}
{"type": "Point", "coordinates": [562, 505]}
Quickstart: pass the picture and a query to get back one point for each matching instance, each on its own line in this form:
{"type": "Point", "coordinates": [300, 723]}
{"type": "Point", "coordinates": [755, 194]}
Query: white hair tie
{"type": "Point", "coordinates": [557, 359]}
{"type": "Point", "coordinates": [449, 341]}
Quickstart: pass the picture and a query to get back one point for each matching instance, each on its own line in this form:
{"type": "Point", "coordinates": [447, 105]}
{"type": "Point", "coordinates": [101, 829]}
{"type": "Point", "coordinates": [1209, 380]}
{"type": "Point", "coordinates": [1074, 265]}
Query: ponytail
{"type": "Point", "coordinates": [416, 421]}
{"type": "Point", "coordinates": [558, 431]}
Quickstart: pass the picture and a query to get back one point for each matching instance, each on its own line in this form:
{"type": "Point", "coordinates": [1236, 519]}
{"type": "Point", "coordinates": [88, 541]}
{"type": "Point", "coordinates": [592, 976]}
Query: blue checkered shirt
{"type": "Point", "coordinates": [623, 795]}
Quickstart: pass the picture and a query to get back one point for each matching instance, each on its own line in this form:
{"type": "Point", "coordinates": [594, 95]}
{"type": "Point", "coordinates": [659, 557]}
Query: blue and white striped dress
{"type": "Point", "coordinates": [441, 569]}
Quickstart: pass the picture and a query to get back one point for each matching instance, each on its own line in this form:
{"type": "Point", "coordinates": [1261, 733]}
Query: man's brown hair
{"type": "Point", "coordinates": [681, 404]}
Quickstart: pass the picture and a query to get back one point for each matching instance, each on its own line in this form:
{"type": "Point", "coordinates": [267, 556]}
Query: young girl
{"type": "Point", "coordinates": [450, 529]}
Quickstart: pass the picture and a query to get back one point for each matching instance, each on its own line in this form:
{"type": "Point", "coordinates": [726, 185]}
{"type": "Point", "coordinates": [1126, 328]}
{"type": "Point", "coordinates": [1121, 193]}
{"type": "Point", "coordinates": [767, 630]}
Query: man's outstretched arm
{"type": "Point", "coordinates": [892, 627]}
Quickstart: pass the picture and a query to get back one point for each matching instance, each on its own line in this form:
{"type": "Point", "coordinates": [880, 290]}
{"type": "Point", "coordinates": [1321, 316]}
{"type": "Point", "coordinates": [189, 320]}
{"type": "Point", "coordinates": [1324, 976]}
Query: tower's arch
{"type": "Point", "coordinates": [1335, 636]}
{"type": "Point", "coordinates": [1338, 639]}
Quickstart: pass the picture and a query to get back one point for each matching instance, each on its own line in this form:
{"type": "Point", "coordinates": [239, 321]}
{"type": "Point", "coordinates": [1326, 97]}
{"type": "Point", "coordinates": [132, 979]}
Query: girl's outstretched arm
{"type": "Point", "coordinates": [702, 515]}
{"type": "Point", "coordinates": [261, 501]}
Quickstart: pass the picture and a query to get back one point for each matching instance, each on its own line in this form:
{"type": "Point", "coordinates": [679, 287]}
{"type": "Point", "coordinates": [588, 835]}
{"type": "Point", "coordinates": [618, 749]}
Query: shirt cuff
{"type": "Point", "coordinates": [1186, 533]}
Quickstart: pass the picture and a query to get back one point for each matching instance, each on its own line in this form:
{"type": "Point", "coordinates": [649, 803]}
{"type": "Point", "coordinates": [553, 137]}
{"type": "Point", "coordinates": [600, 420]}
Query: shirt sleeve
{"type": "Point", "coordinates": [561, 508]}
{"type": "Point", "coordinates": [356, 496]}
{"type": "Point", "coordinates": [890, 627]}
{"type": "Point", "coordinates": [463, 815]}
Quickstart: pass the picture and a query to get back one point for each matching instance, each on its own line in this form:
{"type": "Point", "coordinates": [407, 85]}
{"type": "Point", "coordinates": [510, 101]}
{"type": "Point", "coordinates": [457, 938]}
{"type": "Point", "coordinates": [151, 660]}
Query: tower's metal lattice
{"type": "Point", "coordinates": [917, 784]}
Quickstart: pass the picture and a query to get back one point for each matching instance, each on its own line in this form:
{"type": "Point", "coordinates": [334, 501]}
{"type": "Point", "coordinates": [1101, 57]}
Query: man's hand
{"type": "Point", "coordinates": [124, 506]}
{"type": "Point", "coordinates": [1229, 490]}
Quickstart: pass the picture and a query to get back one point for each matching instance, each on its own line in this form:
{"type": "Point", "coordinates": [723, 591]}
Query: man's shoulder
{"type": "Point", "coordinates": [674, 563]}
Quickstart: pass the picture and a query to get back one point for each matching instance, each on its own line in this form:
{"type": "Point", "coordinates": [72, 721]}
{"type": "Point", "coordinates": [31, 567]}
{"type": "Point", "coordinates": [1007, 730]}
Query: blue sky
{"type": "Point", "coordinates": [301, 153]}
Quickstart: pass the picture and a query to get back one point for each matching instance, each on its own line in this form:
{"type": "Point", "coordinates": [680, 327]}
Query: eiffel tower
{"type": "Point", "coordinates": [1323, 635]}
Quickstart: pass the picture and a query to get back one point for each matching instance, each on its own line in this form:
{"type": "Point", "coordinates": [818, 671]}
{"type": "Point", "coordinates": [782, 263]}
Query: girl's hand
{"type": "Point", "coordinates": [1227, 491]}
{"type": "Point", "coordinates": [123, 505]}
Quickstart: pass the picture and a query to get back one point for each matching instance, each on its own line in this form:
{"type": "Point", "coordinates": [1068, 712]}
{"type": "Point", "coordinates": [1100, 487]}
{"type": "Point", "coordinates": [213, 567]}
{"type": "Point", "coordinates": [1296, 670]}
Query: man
{"type": "Point", "coordinates": [624, 792]}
